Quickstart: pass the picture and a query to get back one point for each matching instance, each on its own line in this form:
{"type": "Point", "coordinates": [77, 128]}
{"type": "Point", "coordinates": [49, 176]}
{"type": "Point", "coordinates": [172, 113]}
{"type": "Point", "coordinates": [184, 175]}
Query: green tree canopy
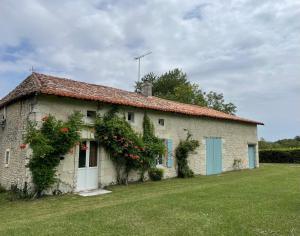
{"type": "Point", "coordinates": [282, 143]}
{"type": "Point", "coordinates": [174, 85]}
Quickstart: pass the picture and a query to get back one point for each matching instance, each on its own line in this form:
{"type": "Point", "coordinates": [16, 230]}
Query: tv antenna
{"type": "Point", "coordinates": [32, 69]}
{"type": "Point", "coordinates": [138, 58]}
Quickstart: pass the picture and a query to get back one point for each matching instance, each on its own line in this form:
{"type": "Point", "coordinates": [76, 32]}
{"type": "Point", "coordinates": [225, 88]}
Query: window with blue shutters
{"type": "Point", "coordinates": [167, 158]}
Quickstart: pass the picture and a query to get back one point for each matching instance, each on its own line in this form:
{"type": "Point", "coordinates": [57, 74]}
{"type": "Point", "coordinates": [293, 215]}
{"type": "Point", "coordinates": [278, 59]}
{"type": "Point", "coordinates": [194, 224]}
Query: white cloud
{"type": "Point", "coordinates": [249, 50]}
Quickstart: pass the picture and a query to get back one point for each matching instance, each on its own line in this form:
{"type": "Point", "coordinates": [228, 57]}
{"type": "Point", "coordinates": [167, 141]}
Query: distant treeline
{"type": "Point", "coordinates": [280, 144]}
{"type": "Point", "coordinates": [291, 155]}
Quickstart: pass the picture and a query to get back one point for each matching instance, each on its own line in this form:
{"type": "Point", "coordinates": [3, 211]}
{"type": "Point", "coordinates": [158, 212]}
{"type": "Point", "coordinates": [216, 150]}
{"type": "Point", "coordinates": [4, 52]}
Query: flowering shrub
{"type": "Point", "coordinates": [128, 150]}
{"type": "Point", "coordinates": [122, 143]}
{"type": "Point", "coordinates": [49, 143]}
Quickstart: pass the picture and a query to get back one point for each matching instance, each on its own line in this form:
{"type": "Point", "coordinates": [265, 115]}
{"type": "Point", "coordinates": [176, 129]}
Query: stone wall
{"type": "Point", "coordinates": [11, 137]}
{"type": "Point", "coordinates": [235, 138]}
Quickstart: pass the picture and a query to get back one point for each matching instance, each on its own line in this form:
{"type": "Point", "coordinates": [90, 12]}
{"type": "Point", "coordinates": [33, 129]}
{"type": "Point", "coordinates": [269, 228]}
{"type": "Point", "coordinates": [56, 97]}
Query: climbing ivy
{"type": "Point", "coordinates": [184, 148]}
{"type": "Point", "coordinates": [49, 144]}
{"type": "Point", "coordinates": [153, 146]}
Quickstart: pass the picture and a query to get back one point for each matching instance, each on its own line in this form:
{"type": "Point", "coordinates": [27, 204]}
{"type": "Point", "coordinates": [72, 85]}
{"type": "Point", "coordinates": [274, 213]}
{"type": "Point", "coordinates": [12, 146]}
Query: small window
{"type": "Point", "coordinates": [91, 114]}
{"type": "Point", "coordinates": [161, 122]}
{"type": "Point", "coordinates": [159, 160]}
{"type": "Point", "coordinates": [130, 116]}
{"type": "Point", "coordinates": [7, 157]}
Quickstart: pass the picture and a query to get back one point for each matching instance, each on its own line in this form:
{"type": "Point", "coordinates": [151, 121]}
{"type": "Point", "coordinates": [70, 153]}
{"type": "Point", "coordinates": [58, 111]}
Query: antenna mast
{"type": "Point", "coordinates": [138, 58]}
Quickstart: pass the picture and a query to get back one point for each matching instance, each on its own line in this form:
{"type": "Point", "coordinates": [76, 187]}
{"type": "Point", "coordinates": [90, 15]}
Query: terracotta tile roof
{"type": "Point", "coordinates": [45, 84]}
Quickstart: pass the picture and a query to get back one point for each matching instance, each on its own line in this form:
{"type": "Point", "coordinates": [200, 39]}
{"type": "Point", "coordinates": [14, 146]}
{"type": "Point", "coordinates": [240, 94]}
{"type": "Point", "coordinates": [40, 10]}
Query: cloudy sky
{"type": "Point", "coordinates": [248, 50]}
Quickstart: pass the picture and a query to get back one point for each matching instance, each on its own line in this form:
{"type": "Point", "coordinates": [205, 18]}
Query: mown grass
{"type": "Point", "coordinates": [264, 201]}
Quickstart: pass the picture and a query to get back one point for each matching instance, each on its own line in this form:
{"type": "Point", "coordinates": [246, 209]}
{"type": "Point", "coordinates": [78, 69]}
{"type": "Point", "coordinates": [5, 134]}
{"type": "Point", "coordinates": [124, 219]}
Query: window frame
{"type": "Point", "coordinates": [7, 157]}
{"type": "Point", "coordinates": [131, 113]}
{"type": "Point", "coordinates": [90, 119]}
{"type": "Point", "coordinates": [164, 156]}
{"type": "Point", "coordinates": [91, 112]}
{"type": "Point", "coordinates": [163, 122]}
{"type": "Point", "coordinates": [87, 155]}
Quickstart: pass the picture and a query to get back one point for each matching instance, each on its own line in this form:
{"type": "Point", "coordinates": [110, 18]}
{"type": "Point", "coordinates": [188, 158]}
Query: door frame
{"type": "Point", "coordinates": [87, 167]}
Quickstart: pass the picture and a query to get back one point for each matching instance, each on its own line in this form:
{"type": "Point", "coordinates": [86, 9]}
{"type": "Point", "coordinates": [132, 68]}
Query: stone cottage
{"type": "Point", "coordinates": [224, 139]}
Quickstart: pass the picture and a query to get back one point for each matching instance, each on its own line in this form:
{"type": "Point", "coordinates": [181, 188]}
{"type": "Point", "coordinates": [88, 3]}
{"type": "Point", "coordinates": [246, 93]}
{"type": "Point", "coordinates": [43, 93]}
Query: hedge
{"type": "Point", "coordinates": [280, 156]}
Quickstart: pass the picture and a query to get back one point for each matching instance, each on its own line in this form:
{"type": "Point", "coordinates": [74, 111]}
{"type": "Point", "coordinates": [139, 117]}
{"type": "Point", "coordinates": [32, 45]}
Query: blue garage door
{"type": "Point", "coordinates": [213, 156]}
{"type": "Point", "coordinates": [251, 156]}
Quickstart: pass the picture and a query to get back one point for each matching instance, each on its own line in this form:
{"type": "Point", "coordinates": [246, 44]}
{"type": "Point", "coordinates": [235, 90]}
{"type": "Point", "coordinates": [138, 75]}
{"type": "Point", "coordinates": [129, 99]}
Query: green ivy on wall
{"type": "Point", "coordinates": [184, 148]}
{"type": "Point", "coordinates": [154, 146]}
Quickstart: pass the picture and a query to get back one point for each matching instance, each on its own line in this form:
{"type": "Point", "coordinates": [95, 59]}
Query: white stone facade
{"type": "Point", "coordinates": [236, 136]}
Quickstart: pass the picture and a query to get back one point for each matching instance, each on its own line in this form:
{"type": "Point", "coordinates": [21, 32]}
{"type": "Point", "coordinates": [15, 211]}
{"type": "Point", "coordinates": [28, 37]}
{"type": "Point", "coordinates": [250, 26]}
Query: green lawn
{"type": "Point", "coordinates": [264, 201]}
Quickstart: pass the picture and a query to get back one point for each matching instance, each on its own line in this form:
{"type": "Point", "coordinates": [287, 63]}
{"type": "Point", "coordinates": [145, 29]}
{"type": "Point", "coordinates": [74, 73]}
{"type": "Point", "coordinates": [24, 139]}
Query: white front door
{"type": "Point", "coordinates": [87, 175]}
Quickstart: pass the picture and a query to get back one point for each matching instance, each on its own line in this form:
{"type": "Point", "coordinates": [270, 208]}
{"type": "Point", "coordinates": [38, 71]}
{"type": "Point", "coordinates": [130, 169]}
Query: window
{"type": "Point", "coordinates": [7, 157]}
{"type": "Point", "coordinates": [82, 155]}
{"type": "Point", "coordinates": [161, 160]}
{"type": "Point", "coordinates": [130, 116]}
{"type": "Point", "coordinates": [93, 154]}
{"type": "Point", "coordinates": [91, 114]}
{"type": "Point", "coordinates": [161, 122]}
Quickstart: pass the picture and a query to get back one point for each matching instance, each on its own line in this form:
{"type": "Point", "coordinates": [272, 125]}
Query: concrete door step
{"type": "Point", "coordinates": [93, 192]}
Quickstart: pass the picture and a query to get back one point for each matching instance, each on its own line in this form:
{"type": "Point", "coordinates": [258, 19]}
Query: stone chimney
{"type": "Point", "coordinates": [147, 89]}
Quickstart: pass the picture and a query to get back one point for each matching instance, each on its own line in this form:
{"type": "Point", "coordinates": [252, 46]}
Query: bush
{"type": "Point", "coordinates": [2, 189]}
{"type": "Point", "coordinates": [237, 164]}
{"type": "Point", "coordinates": [17, 193]}
{"type": "Point", "coordinates": [156, 174]}
{"type": "Point", "coordinates": [280, 156]}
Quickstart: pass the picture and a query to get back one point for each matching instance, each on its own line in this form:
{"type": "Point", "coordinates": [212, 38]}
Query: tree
{"type": "Point", "coordinates": [281, 143]}
{"type": "Point", "coordinates": [217, 102]}
{"type": "Point", "coordinates": [174, 85]}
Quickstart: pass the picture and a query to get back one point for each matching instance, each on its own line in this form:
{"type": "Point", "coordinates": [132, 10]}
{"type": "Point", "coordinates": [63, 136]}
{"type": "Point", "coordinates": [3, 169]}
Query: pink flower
{"type": "Point", "coordinates": [45, 118]}
{"type": "Point", "coordinates": [84, 148]}
{"type": "Point", "coordinates": [64, 130]}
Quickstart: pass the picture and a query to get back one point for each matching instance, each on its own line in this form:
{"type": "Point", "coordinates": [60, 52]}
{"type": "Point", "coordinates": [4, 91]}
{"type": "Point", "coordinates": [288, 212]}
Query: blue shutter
{"type": "Point", "coordinates": [213, 156]}
{"type": "Point", "coordinates": [209, 156]}
{"type": "Point", "coordinates": [218, 155]}
{"type": "Point", "coordinates": [170, 153]}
